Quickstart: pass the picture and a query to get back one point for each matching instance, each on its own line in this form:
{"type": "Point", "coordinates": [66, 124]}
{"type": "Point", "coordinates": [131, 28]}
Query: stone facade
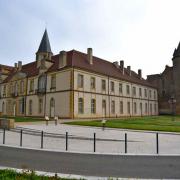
{"type": "Point", "coordinates": [74, 85]}
{"type": "Point", "coordinates": [168, 85]}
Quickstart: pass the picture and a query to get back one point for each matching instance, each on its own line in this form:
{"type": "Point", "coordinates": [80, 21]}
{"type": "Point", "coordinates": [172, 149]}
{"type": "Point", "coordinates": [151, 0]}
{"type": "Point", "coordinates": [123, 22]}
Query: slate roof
{"type": "Point", "coordinates": [45, 44]}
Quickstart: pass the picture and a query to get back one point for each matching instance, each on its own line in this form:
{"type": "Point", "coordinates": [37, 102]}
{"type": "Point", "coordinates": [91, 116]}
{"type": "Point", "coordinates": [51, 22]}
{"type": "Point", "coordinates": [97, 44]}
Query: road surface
{"type": "Point", "coordinates": [128, 166]}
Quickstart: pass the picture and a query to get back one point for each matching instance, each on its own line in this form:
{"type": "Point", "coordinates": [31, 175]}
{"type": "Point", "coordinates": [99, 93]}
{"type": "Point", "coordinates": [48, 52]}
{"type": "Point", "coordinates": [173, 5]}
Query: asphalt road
{"type": "Point", "coordinates": [92, 164]}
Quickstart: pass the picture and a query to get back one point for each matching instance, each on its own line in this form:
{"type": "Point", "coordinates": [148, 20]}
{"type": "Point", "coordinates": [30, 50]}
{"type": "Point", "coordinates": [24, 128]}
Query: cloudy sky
{"type": "Point", "coordinates": [143, 33]}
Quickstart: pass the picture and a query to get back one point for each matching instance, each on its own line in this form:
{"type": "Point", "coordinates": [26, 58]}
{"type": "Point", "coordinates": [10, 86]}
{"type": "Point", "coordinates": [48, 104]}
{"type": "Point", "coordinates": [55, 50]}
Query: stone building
{"type": "Point", "coordinates": [168, 84]}
{"type": "Point", "coordinates": [73, 84]}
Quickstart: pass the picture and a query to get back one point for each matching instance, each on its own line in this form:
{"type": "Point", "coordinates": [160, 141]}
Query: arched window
{"type": "Point", "coordinates": [42, 82]}
{"type": "Point", "coordinates": [52, 102]}
{"type": "Point", "coordinates": [30, 107]}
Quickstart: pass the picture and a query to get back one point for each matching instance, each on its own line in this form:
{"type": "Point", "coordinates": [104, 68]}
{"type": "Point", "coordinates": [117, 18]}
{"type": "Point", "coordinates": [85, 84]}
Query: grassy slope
{"type": "Point", "coordinates": [159, 123]}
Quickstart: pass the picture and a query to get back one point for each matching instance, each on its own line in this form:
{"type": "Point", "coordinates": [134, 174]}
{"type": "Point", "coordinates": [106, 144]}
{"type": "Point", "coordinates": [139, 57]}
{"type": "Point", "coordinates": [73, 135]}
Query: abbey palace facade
{"type": "Point", "coordinates": [72, 85]}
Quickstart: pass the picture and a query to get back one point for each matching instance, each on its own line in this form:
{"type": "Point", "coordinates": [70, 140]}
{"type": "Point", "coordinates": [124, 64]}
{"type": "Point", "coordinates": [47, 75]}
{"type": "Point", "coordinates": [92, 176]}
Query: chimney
{"type": "Point", "coordinates": [140, 73]}
{"type": "Point", "coordinates": [129, 70]}
{"type": "Point", "coordinates": [62, 59]}
{"type": "Point", "coordinates": [122, 66]}
{"type": "Point", "coordinates": [90, 55]}
{"type": "Point", "coordinates": [15, 65]}
{"type": "Point", "coordinates": [116, 64]}
{"type": "Point", "coordinates": [19, 65]}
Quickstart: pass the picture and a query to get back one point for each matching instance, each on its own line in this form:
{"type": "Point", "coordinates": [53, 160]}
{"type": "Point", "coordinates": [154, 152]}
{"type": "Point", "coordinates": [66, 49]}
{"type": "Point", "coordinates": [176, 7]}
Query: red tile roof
{"type": "Point", "coordinates": [79, 60]}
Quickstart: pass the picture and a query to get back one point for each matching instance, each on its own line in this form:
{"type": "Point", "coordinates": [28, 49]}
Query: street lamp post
{"type": "Point", "coordinates": [172, 102]}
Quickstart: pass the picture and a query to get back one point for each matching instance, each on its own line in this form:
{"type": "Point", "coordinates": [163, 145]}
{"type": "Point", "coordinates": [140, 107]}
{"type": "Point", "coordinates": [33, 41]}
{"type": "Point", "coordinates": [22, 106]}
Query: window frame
{"type": "Point", "coordinates": [80, 106]}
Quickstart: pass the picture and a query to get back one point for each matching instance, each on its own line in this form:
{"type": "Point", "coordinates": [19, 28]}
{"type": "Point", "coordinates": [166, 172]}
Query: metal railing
{"type": "Point", "coordinates": [41, 135]}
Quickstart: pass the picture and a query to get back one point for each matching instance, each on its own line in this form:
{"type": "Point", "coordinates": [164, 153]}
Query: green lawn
{"type": "Point", "coordinates": [13, 175]}
{"type": "Point", "coordinates": [158, 123]}
{"type": "Point", "coordinates": [24, 119]}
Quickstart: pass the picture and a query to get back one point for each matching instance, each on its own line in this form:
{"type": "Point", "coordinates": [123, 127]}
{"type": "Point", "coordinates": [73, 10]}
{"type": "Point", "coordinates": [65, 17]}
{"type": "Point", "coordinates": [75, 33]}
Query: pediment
{"type": "Point", "coordinates": [19, 75]}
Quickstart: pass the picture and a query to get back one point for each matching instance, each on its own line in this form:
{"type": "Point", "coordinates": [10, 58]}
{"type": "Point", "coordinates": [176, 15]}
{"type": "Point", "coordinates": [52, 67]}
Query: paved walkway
{"type": "Point", "coordinates": [81, 139]}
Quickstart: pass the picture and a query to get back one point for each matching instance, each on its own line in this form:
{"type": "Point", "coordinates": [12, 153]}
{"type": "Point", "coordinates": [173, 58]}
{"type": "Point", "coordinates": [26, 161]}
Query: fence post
{"type": "Point", "coordinates": [157, 143]}
{"type": "Point", "coordinates": [94, 142]}
{"type": "Point", "coordinates": [125, 142]}
{"type": "Point", "coordinates": [4, 134]}
{"type": "Point", "coordinates": [66, 141]}
{"type": "Point", "coordinates": [42, 135]}
{"type": "Point", "coordinates": [21, 137]}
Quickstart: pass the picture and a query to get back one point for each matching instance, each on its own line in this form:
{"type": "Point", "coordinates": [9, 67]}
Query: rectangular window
{"type": "Point", "coordinates": [140, 106]}
{"type": "Point", "coordinates": [134, 91]}
{"type": "Point", "coordinates": [140, 92]}
{"type": "Point", "coordinates": [150, 109]}
{"type": "Point", "coordinates": [4, 90]}
{"type": "Point", "coordinates": [104, 107]}
{"type": "Point", "coordinates": [31, 89]}
{"type": "Point", "coordinates": [40, 106]}
{"type": "Point", "coordinates": [120, 88]}
{"type": "Point", "coordinates": [128, 107]}
{"type": "Point", "coordinates": [30, 107]}
{"type": "Point", "coordinates": [93, 106]}
{"type": "Point", "coordinates": [121, 107]}
{"type": "Point", "coordinates": [113, 107]}
{"type": "Point", "coordinates": [150, 94]}
{"type": "Point", "coordinates": [21, 87]}
{"type": "Point", "coordinates": [103, 83]}
{"type": "Point", "coordinates": [154, 94]}
{"type": "Point", "coordinates": [145, 92]}
{"type": "Point", "coordinates": [127, 90]}
{"type": "Point", "coordinates": [93, 83]}
{"type": "Point", "coordinates": [112, 86]}
{"type": "Point", "coordinates": [146, 108]}
{"type": "Point", "coordinates": [135, 108]}
{"type": "Point", "coordinates": [80, 81]}
{"type": "Point", "coordinates": [155, 108]}
{"type": "Point", "coordinates": [53, 81]}
{"type": "Point", "coordinates": [80, 106]}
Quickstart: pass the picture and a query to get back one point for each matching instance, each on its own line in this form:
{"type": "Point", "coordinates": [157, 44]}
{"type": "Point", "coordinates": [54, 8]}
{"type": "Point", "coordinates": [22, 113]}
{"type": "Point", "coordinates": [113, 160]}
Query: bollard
{"type": "Point", "coordinates": [66, 141]}
{"type": "Point", "coordinates": [46, 122]}
{"type": "Point", "coordinates": [125, 142]}
{"type": "Point", "coordinates": [21, 132]}
{"type": "Point", "coordinates": [94, 142]}
{"type": "Point", "coordinates": [42, 135]}
{"type": "Point", "coordinates": [157, 143]}
{"type": "Point", "coordinates": [4, 134]}
{"type": "Point", "coordinates": [56, 122]}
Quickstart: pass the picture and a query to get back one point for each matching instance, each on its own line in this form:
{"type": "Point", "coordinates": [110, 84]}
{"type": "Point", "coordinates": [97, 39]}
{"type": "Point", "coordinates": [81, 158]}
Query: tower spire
{"type": "Point", "coordinates": [177, 51]}
{"type": "Point", "coordinates": [45, 44]}
{"type": "Point", "coordinates": [44, 50]}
